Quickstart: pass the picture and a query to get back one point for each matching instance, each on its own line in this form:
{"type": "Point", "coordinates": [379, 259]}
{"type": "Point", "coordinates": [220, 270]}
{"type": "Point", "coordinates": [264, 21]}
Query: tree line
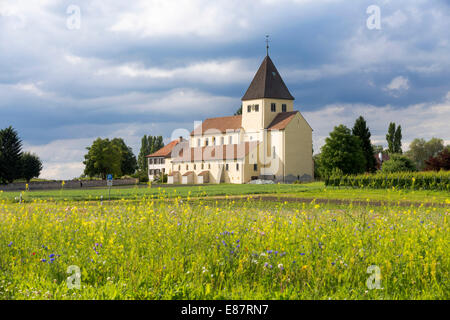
{"type": "Point", "coordinates": [114, 157]}
{"type": "Point", "coordinates": [351, 152]}
{"type": "Point", "coordinates": [14, 163]}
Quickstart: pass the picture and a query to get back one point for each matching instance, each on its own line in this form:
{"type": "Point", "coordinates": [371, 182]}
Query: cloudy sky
{"type": "Point", "coordinates": [72, 71]}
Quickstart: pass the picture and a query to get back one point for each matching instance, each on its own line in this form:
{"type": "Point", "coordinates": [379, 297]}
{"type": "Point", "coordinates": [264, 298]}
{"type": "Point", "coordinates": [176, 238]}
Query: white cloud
{"type": "Point", "coordinates": [213, 71]}
{"type": "Point", "coordinates": [397, 86]}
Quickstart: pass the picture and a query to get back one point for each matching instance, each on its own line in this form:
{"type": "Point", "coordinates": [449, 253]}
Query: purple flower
{"type": "Point", "coordinates": [302, 254]}
{"type": "Point", "coordinates": [52, 255]}
{"type": "Point", "coordinates": [10, 244]}
{"type": "Point", "coordinates": [269, 251]}
{"type": "Point", "coordinates": [51, 260]}
{"type": "Point", "coordinates": [43, 260]}
{"type": "Point", "coordinates": [224, 243]}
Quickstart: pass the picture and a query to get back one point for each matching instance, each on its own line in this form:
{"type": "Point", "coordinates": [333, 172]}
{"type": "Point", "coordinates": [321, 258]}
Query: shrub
{"type": "Point", "coordinates": [398, 163]}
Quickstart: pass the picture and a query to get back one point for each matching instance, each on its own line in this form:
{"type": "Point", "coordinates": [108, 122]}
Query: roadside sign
{"type": "Point", "coordinates": [109, 183]}
{"type": "Point", "coordinates": [109, 177]}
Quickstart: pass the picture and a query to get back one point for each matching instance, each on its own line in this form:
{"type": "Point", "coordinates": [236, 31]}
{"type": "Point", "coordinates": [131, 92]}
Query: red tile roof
{"type": "Point", "coordinates": [164, 151]}
{"type": "Point", "coordinates": [219, 125]}
{"type": "Point", "coordinates": [188, 173]}
{"type": "Point", "coordinates": [222, 152]}
{"type": "Point", "coordinates": [282, 120]}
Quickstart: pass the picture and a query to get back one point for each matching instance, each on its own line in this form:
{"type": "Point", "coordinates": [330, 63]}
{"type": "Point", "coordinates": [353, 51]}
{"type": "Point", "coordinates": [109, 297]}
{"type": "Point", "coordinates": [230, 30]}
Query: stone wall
{"type": "Point", "coordinates": [69, 184]}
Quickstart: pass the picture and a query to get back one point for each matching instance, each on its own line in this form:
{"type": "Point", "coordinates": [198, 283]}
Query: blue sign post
{"type": "Point", "coordinates": [109, 183]}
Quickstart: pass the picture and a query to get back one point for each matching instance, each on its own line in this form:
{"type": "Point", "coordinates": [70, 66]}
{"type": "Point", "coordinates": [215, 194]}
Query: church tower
{"type": "Point", "coordinates": [266, 97]}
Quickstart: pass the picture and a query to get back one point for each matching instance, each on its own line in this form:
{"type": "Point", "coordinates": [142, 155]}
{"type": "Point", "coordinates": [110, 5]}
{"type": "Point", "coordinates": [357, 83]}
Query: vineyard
{"type": "Point", "coordinates": [404, 180]}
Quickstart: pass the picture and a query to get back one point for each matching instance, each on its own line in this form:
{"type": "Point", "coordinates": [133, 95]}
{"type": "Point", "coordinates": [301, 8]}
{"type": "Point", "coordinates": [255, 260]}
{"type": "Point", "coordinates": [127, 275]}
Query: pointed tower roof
{"type": "Point", "coordinates": [267, 83]}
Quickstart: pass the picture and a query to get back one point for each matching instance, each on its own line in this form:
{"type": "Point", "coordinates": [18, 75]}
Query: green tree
{"type": "Point", "coordinates": [128, 164]}
{"type": "Point", "coordinates": [421, 150]}
{"type": "Point", "coordinates": [10, 155]}
{"type": "Point", "coordinates": [398, 163]}
{"type": "Point", "coordinates": [31, 166]}
{"type": "Point", "coordinates": [149, 145]}
{"type": "Point", "coordinates": [398, 140]}
{"type": "Point", "coordinates": [145, 150]}
{"type": "Point", "coordinates": [238, 111]}
{"type": "Point", "coordinates": [103, 157]}
{"type": "Point", "coordinates": [394, 138]}
{"type": "Point", "coordinates": [361, 130]}
{"type": "Point", "coordinates": [342, 151]}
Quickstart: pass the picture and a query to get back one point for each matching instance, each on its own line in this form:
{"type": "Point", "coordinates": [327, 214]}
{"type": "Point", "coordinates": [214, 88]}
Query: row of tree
{"type": "Point", "coordinates": [15, 164]}
{"type": "Point", "coordinates": [114, 157]}
{"type": "Point", "coordinates": [351, 152]}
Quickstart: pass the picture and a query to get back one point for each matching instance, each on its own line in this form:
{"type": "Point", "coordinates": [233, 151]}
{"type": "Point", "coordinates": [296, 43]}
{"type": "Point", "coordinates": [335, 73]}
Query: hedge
{"type": "Point", "coordinates": [430, 180]}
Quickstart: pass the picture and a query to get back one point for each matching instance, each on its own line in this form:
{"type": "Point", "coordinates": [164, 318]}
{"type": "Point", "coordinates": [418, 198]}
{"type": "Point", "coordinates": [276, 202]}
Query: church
{"type": "Point", "coordinates": [269, 141]}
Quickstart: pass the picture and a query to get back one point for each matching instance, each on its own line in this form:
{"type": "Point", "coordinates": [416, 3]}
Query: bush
{"type": "Point", "coordinates": [398, 163]}
{"type": "Point", "coordinates": [403, 180]}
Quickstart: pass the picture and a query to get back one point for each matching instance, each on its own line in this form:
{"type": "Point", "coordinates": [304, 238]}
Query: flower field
{"type": "Point", "coordinates": [181, 249]}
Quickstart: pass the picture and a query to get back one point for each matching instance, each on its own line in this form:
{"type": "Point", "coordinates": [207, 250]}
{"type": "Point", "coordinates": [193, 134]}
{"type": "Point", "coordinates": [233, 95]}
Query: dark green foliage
{"type": "Point", "coordinates": [394, 138]}
{"type": "Point", "coordinates": [361, 130]}
{"type": "Point", "coordinates": [238, 111]}
{"type": "Point", "coordinates": [343, 151]}
{"type": "Point", "coordinates": [10, 155]}
{"type": "Point", "coordinates": [31, 166]}
{"type": "Point", "coordinates": [103, 157]}
{"type": "Point", "coordinates": [128, 164]}
{"type": "Point", "coordinates": [149, 145]}
{"type": "Point", "coordinates": [398, 163]}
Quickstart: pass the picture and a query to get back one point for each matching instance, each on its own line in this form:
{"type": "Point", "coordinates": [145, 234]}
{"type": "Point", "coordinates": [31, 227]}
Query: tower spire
{"type": "Point", "coordinates": [267, 44]}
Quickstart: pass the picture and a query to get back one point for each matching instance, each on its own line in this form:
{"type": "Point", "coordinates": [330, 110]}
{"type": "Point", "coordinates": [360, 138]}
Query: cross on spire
{"type": "Point", "coordinates": [267, 44]}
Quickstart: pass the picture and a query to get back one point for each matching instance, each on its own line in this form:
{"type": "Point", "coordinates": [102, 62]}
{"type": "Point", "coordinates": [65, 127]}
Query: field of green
{"type": "Point", "coordinates": [178, 243]}
{"type": "Point", "coordinates": [315, 190]}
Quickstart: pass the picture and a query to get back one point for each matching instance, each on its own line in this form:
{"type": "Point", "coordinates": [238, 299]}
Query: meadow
{"type": "Point", "coordinates": [315, 190]}
{"type": "Point", "coordinates": [156, 245]}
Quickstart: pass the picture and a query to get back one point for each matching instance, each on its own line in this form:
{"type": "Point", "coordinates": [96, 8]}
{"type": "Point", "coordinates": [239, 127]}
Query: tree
{"type": "Point", "coordinates": [128, 164]}
{"type": "Point", "coordinates": [421, 150]}
{"type": "Point", "coordinates": [145, 150]}
{"type": "Point", "coordinates": [394, 138]}
{"type": "Point", "coordinates": [378, 149]}
{"type": "Point", "coordinates": [103, 158]}
{"type": "Point", "coordinates": [31, 166]}
{"type": "Point", "coordinates": [398, 163]}
{"type": "Point", "coordinates": [440, 162]}
{"type": "Point", "coordinates": [10, 155]}
{"type": "Point", "coordinates": [149, 145]}
{"type": "Point", "coordinates": [361, 130]}
{"type": "Point", "coordinates": [238, 111]}
{"type": "Point", "coordinates": [342, 151]}
{"type": "Point", "coordinates": [398, 140]}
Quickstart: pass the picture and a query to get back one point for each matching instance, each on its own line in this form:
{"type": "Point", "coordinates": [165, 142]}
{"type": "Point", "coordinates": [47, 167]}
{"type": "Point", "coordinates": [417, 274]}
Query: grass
{"type": "Point", "coordinates": [237, 249]}
{"type": "Point", "coordinates": [315, 190]}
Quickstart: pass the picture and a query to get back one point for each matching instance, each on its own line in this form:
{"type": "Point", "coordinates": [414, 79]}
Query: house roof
{"type": "Point", "coordinates": [222, 152]}
{"type": "Point", "coordinates": [267, 83]}
{"type": "Point", "coordinates": [282, 120]}
{"type": "Point", "coordinates": [220, 125]}
{"type": "Point", "coordinates": [188, 173]}
{"type": "Point", "coordinates": [165, 151]}
{"type": "Point", "coordinates": [204, 173]}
